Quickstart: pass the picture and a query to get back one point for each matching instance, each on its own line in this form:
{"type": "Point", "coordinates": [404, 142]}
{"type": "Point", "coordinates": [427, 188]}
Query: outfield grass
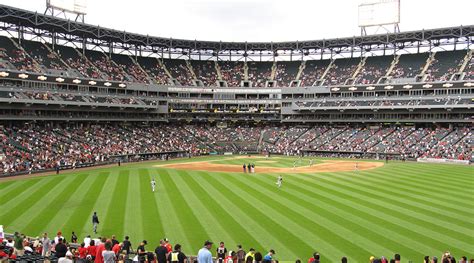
{"type": "Point", "coordinates": [408, 208]}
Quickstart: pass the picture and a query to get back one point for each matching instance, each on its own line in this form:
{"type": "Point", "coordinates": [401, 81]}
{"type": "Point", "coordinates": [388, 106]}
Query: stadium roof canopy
{"type": "Point", "coordinates": [14, 18]}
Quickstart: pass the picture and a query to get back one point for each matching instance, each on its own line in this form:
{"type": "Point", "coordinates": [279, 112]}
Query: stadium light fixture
{"type": "Point", "coordinates": [4, 74]}
{"type": "Point", "coordinates": [92, 82]}
{"type": "Point", "coordinates": [122, 85]}
{"type": "Point", "coordinates": [427, 86]}
{"type": "Point", "coordinates": [370, 88]}
{"type": "Point", "coordinates": [407, 86]}
{"type": "Point", "coordinates": [43, 78]}
{"type": "Point", "coordinates": [108, 84]}
{"type": "Point", "coordinates": [447, 85]}
{"type": "Point", "coordinates": [76, 81]}
{"type": "Point", "coordinates": [22, 76]}
{"type": "Point", "coordinates": [388, 87]}
{"type": "Point", "coordinates": [59, 80]}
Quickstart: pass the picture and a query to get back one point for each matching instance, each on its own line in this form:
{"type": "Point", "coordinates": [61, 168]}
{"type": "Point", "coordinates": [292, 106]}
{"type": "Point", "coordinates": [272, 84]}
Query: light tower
{"type": "Point", "coordinates": [379, 14]}
{"type": "Point", "coordinates": [67, 9]}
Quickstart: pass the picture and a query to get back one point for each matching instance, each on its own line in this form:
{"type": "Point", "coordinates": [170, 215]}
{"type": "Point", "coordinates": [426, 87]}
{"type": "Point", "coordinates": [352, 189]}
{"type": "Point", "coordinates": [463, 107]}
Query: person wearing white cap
{"type": "Point", "coordinates": [67, 259]}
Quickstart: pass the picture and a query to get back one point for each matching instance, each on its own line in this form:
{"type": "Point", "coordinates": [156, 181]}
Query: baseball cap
{"type": "Point", "coordinates": [207, 243]}
{"type": "Point", "coordinates": [166, 240]}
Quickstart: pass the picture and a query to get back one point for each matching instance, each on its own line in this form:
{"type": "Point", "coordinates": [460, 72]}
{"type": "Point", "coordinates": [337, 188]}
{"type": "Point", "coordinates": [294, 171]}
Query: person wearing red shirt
{"type": "Point", "coordinates": [82, 251]}
{"type": "Point", "coordinates": [3, 255]}
{"type": "Point", "coordinates": [116, 248]}
{"type": "Point", "coordinates": [92, 249]}
{"type": "Point", "coordinates": [100, 249]}
{"type": "Point", "coordinates": [168, 245]}
{"type": "Point", "coordinates": [315, 258]}
{"type": "Point", "coordinates": [231, 258]}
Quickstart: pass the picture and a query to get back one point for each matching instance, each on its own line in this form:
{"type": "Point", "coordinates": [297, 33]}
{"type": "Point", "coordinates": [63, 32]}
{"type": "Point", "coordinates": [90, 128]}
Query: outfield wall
{"type": "Point", "coordinates": [445, 161]}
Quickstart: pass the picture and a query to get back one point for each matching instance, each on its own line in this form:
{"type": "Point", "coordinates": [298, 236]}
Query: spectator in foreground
{"type": "Point", "coordinates": [126, 246]}
{"type": "Point", "coordinates": [60, 248]}
{"type": "Point", "coordinates": [45, 252]}
{"type": "Point", "coordinates": [268, 258]}
{"type": "Point", "coordinates": [108, 255]}
{"type": "Point", "coordinates": [161, 251]}
{"type": "Point", "coordinates": [67, 257]}
{"type": "Point", "coordinates": [258, 257]}
{"type": "Point", "coordinates": [176, 256]}
{"type": "Point", "coordinates": [221, 252]}
{"type": "Point", "coordinates": [141, 251]}
{"type": "Point", "coordinates": [204, 254]}
{"type": "Point", "coordinates": [249, 257]}
{"type": "Point", "coordinates": [19, 251]}
{"type": "Point", "coordinates": [91, 249]}
{"type": "Point", "coordinates": [240, 254]}
{"type": "Point", "coordinates": [315, 258]}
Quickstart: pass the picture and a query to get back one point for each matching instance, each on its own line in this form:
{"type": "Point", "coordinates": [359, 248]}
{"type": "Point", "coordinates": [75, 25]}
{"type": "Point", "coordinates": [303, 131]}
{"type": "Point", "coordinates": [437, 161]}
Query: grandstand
{"type": "Point", "coordinates": [74, 95]}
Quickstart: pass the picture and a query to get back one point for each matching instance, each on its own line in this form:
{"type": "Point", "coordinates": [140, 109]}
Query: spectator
{"type": "Point", "coordinates": [204, 254]}
{"type": "Point", "coordinates": [176, 256]}
{"type": "Point", "coordinates": [127, 245]}
{"type": "Point", "coordinates": [240, 253]}
{"type": "Point", "coordinates": [141, 251]}
{"type": "Point", "coordinates": [68, 258]}
{"type": "Point", "coordinates": [108, 255]}
{"type": "Point", "coordinates": [18, 238]}
{"type": "Point", "coordinates": [60, 248]}
{"type": "Point", "coordinates": [46, 243]}
{"type": "Point", "coordinates": [268, 258]}
{"type": "Point", "coordinates": [161, 252]}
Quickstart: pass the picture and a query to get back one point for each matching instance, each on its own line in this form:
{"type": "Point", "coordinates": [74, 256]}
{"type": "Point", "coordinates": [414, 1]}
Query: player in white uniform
{"type": "Point", "coordinates": [356, 167]}
{"type": "Point", "coordinates": [279, 181]}
{"type": "Point", "coordinates": [153, 184]}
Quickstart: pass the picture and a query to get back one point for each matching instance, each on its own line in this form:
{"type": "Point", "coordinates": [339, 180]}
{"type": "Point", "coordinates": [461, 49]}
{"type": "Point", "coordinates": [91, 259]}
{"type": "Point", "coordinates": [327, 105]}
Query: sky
{"type": "Point", "coordinates": [257, 20]}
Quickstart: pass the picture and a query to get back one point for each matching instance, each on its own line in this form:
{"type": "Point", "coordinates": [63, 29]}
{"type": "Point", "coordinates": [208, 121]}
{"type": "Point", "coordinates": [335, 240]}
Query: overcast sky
{"type": "Point", "coordinates": [256, 20]}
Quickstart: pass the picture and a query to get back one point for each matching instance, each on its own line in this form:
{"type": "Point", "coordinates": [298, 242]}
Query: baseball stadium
{"type": "Point", "coordinates": [123, 147]}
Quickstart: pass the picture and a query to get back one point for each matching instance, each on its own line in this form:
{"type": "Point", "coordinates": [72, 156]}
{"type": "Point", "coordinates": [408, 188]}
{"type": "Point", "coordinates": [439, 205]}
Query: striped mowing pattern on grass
{"type": "Point", "coordinates": [408, 208]}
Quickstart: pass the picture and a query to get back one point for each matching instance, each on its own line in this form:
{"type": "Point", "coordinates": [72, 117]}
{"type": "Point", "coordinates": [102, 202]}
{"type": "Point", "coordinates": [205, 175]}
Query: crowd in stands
{"type": "Point", "coordinates": [179, 71]}
{"type": "Point", "coordinates": [382, 102]}
{"type": "Point", "coordinates": [95, 64]}
{"type": "Point", "coordinates": [33, 146]}
{"type": "Point", "coordinates": [112, 70]}
{"type": "Point", "coordinates": [19, 248]}
{"type": "Point", "coordinates": [205, 72]}
{"type": "Point", "coordinates": [232, 72]}
{"type": "Point", "coordinates": [259, 73]}
{"type": "Point", "coordinates": [341, 70]}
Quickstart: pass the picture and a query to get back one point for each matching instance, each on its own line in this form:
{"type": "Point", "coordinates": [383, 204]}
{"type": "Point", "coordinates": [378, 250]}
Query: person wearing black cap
{"type": "Point", "coordinates": [141, 251]}
{"type": "Point", "coordinates": [204, 254]}
{"type": "Point", "coordinates": [315, 258]}
{"type": "Point", "coordinates": [397, 258]}
{"type": "Point", "coordinates": [269, 257]}
{"type": "Point", "coordinates": [176, 256]}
